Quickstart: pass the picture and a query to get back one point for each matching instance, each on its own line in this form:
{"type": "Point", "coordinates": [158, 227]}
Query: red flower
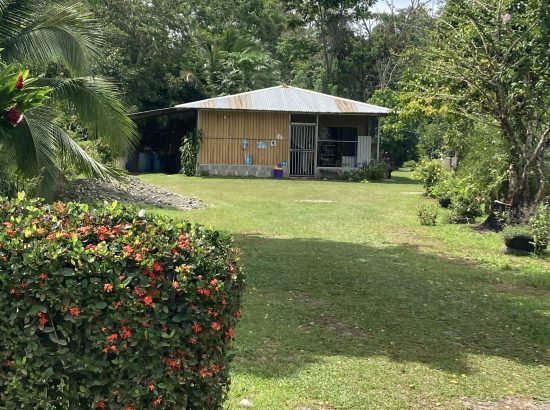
{"type": "Point", "coordinates": [196, 328]}
{"type": "Point", "coordinates": [19, 82]}
{"type": "Point", "coordinates": [216, 368]}
{"type": "Point", "coordinates": [126, 332]}
{"type": "Point", "coordinates": [138, 257]}
{"type": "Point", "coordinates": [43, 277]}
{"type": "Point", "coordinates": [204, 372]}
{"type": "Point", "coordinates": [214, 282]}
{"type": "Point", "coordinates": [109, 349]}
{"type": "Point", "coordinates": [157, 402]}
{"type": "Point", "coordinates": [74, 311]}
{"type": "Point", "coordinates": [100, 404]}
{"type": "Point", "coordinates": [117, 304]}
{"type": "Point", "coordinates": [237, 314]}
{"type": "Point", "coordinates": [203, 292]}
{"type": "Point", "coordinates": [216, 326]}
{"type": "Point", "coordinates": [111, 338]}
{"type": "Point", "coordinates": [90, 246]}
{"type": "Point", "coordinates": [175, 284]}
{"type": "Point", "coordinates": [42, 318]}
{"type": "Point", "coordinates": [230, 333]}
{"type": "Point", "coordinates": [193, 340]}
{"type": "Point", "coordinates": [157, 267]}
{"type": "Point", "coordinates": [127, 408]}
{"type": "Point", "coordinates": [108, 287]}
{"type": "Point", "coordinates": [151, 387]}
{"type": "Point", "coordinates": [147, 300]}
{"type": "Point", "coordinates": [128, 249]}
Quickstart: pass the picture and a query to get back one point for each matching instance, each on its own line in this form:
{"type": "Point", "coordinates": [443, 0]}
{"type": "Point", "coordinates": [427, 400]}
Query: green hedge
{"type": "Point", "coordinates": [108, 308]}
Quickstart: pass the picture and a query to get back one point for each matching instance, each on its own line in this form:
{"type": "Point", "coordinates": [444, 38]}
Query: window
{"type": "Point", "coordinates": [337, 147]}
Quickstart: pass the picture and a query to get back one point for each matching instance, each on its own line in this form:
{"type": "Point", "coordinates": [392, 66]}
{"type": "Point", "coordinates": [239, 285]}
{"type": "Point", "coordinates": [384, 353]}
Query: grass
{"type": "Point", "coordinates": [351, 304]}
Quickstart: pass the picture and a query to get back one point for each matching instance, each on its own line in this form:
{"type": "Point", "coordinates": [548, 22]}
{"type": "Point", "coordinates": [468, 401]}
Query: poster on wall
{"type": "Point", "coordinates": [273, 143]}
{"type": "Point", "coordinates": [261, 145]}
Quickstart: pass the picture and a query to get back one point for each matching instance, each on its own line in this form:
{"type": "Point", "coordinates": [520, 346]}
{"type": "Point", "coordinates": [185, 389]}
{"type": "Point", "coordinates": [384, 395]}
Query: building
{"type": "Point", "coordinates": [306, 133]}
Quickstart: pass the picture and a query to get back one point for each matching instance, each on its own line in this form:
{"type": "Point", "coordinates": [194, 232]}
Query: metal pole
{"type": "Point", "coordinates": [378, 139]}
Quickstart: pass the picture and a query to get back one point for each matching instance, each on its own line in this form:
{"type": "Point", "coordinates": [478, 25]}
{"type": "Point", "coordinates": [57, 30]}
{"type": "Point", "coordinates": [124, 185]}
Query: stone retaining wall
{"type": "Point", "coordinates": [260, 171]}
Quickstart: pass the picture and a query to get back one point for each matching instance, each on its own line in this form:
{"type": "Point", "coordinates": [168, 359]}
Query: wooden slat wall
{"type": "Point", "coordinates": [224, 132]}
{"type": "Point", "coordinates": [359, 121]}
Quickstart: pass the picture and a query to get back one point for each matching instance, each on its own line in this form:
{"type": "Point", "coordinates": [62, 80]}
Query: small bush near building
{"type": "Point", "coordinates": [430, 173]}
{"type": "Point", "coordinates": [427, 215]}
{"type": "Point", "coordinates": [107, 308]}
{"type": "Point", "coordinates": [375, 171]}
{"type": "Point", "coordinates": [190, 146]}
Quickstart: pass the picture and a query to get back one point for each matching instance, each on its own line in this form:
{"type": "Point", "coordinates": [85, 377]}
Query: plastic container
{"type": "Point", "coordinates": [248, 159]}
{"type": "Point", "coordinates": [145, 162]}
{"type": "Point", "coordinates": [278, 172]}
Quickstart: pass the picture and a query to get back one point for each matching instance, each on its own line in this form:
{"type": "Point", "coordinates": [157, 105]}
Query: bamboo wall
{"type": "Point", "coordinates": [224, 132]}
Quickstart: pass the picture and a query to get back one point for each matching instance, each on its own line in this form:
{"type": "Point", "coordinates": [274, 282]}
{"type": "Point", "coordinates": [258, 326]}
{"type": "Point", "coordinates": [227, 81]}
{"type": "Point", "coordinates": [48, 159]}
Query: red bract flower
{"type": "Point", "coordinates": [193, 340]}
{"type": "Point", "coordinates": [157, 402]}
{"type": "Point", "coordinates": [214, 282]}
{"type": "Point", "coordinates": [147, 300]}
{"type": "Point", "coordinates": [43, 277]}
{"type": "Point", "coordinates": [100, 404]}
{"type": "Point", "coordinates": [216, 326]}
{"type": "Point", "coordinates": [128, 249]}
{"type": "Point", "coordinates": [42, 318]}
{"type": "Point", "coordinates": [230, 333]}
{"type": "Point", "coordinates": [117, 304]}
{"type": "Point", "coordinates": [13, 116]}
{"type": "Point", "coordinates": [216, 368]}
{"type": "Point", "coordinates": [138, 257]}
{"type": "Point", "coordinates": [175, 284]}
{"type": "Point", "coordinates": [151, 387]}
{"type": "Point", "coordinates": [108, 287]}
{"type": "Point", "coordinates": [196, 328]}
{"type": "Point", "coordinates": [157, 267]}
{"type": "Point", "coordinates": [19, 83]}
{"type": "Point", "coordinates": [111, 338]}
{"type": "Point", "coordinates": [109, 349]}
{"type": "Point", "coordinates": [90, 246]}
{"type": "Point", "coordinates": [74, 311]}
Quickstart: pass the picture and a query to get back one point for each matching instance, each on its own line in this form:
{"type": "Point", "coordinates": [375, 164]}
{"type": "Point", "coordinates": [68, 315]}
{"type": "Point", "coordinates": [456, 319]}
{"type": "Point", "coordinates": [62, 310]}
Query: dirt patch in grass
{"type": "Point", "coordinates": [508, 403]}
{"type": "Point", "coordinates": [524, 290]}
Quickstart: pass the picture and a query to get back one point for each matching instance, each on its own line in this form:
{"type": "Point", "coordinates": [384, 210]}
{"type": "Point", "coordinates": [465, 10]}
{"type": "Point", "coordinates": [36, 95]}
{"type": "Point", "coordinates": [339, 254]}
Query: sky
{"type": "Point", "coordinates": [382, 6]}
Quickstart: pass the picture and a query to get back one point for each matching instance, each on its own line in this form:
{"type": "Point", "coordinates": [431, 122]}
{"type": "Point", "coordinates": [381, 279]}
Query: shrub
{"type": "Point", "coordinates": [189, 149]}
{"type": "Point", "coordinates": [540, 226]}
{"type": "Point", "coordinates": [374, 171]}
{"type": "Point", "coordinates": [444, 189]}
{"type": "Point", "coordinates": [427, 215]}
{"type": "Point", "coordinates": [105, 307]}
{"type": "Point", "coordinates": [430, 173]}
{"type": "Point", "coordinates": [410, 164]}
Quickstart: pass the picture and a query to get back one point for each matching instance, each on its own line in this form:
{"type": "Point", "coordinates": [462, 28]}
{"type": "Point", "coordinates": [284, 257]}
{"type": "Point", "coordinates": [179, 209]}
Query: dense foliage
{"type": "Point", "coordinates": [374, 171]}
{"type": "Point", "coordinates": [59, 41]}
{"type": "Point", "coordinates": [108, 308]}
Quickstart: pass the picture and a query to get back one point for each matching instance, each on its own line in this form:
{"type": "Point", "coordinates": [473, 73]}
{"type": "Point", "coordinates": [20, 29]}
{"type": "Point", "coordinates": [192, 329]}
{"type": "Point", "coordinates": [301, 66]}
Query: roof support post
{"type": "Point", "coordinates": [316, 142]}
{"type": "Point", "coordinates": [378, 139]}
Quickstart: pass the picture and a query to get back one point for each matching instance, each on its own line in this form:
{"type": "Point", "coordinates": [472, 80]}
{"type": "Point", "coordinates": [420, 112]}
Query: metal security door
{"type": "Point", "coordinates": [302, 150]}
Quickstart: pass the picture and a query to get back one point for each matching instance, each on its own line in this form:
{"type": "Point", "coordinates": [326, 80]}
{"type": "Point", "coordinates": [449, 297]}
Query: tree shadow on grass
{"type": "Point", "coordinates": [309, 298]}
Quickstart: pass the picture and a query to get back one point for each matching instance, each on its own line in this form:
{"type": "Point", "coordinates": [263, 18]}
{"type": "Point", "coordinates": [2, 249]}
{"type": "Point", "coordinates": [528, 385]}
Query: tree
{"type": "Point", "coordinates": [34, 33]}
{"type": "Point", "coordinates": [490, 60]}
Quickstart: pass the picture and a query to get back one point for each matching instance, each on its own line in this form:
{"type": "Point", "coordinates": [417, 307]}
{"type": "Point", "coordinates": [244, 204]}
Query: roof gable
{"type": "Point", "coordinates": [285, 98]}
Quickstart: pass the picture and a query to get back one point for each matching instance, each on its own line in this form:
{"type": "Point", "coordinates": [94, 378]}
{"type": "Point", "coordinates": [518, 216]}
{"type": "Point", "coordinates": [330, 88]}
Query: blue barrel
{"type": "Point", "coordinates": [145, 162]}
{"type": "Point", "coordinates": [248, 159]}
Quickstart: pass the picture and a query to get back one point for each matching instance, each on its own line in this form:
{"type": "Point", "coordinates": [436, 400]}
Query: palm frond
{"type": "Point", "coordinates": [38, 31]}
{"type": "Point", "coordinates": [97, 104]}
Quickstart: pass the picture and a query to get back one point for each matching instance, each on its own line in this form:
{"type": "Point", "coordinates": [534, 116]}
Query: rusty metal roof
{"type": "Point", "coordinates": [285, 98]}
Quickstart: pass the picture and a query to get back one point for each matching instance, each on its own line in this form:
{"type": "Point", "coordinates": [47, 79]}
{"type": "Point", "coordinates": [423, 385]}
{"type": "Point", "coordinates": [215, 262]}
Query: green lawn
{"type": "Point", "coordinates": [352, 305]}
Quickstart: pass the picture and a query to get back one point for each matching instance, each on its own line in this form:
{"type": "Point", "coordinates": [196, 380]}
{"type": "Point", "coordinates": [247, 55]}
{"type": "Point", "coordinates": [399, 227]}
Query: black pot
{"type": "Point", "coordinates": [521, 242]}
{"type": "Point", "coordinates": [444, 202]}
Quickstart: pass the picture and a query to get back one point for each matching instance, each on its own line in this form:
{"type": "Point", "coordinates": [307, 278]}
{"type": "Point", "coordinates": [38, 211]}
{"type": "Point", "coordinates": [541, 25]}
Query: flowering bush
{"type": "Point", "coordinates": [106, 308]}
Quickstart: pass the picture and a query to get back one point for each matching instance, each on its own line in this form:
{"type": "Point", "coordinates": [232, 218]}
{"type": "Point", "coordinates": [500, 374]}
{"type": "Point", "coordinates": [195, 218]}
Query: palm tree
{"type": "Point", "coordinates": [34, 33]}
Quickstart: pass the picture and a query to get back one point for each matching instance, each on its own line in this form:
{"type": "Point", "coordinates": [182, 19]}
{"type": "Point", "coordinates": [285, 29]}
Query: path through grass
{"type": "Point", "coordinates": [352, 305]}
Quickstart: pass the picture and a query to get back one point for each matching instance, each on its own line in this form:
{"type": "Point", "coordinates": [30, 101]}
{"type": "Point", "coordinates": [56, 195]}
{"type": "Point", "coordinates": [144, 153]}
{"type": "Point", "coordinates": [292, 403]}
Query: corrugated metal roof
{"type": "Point", "coordinates": [287, 99]}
